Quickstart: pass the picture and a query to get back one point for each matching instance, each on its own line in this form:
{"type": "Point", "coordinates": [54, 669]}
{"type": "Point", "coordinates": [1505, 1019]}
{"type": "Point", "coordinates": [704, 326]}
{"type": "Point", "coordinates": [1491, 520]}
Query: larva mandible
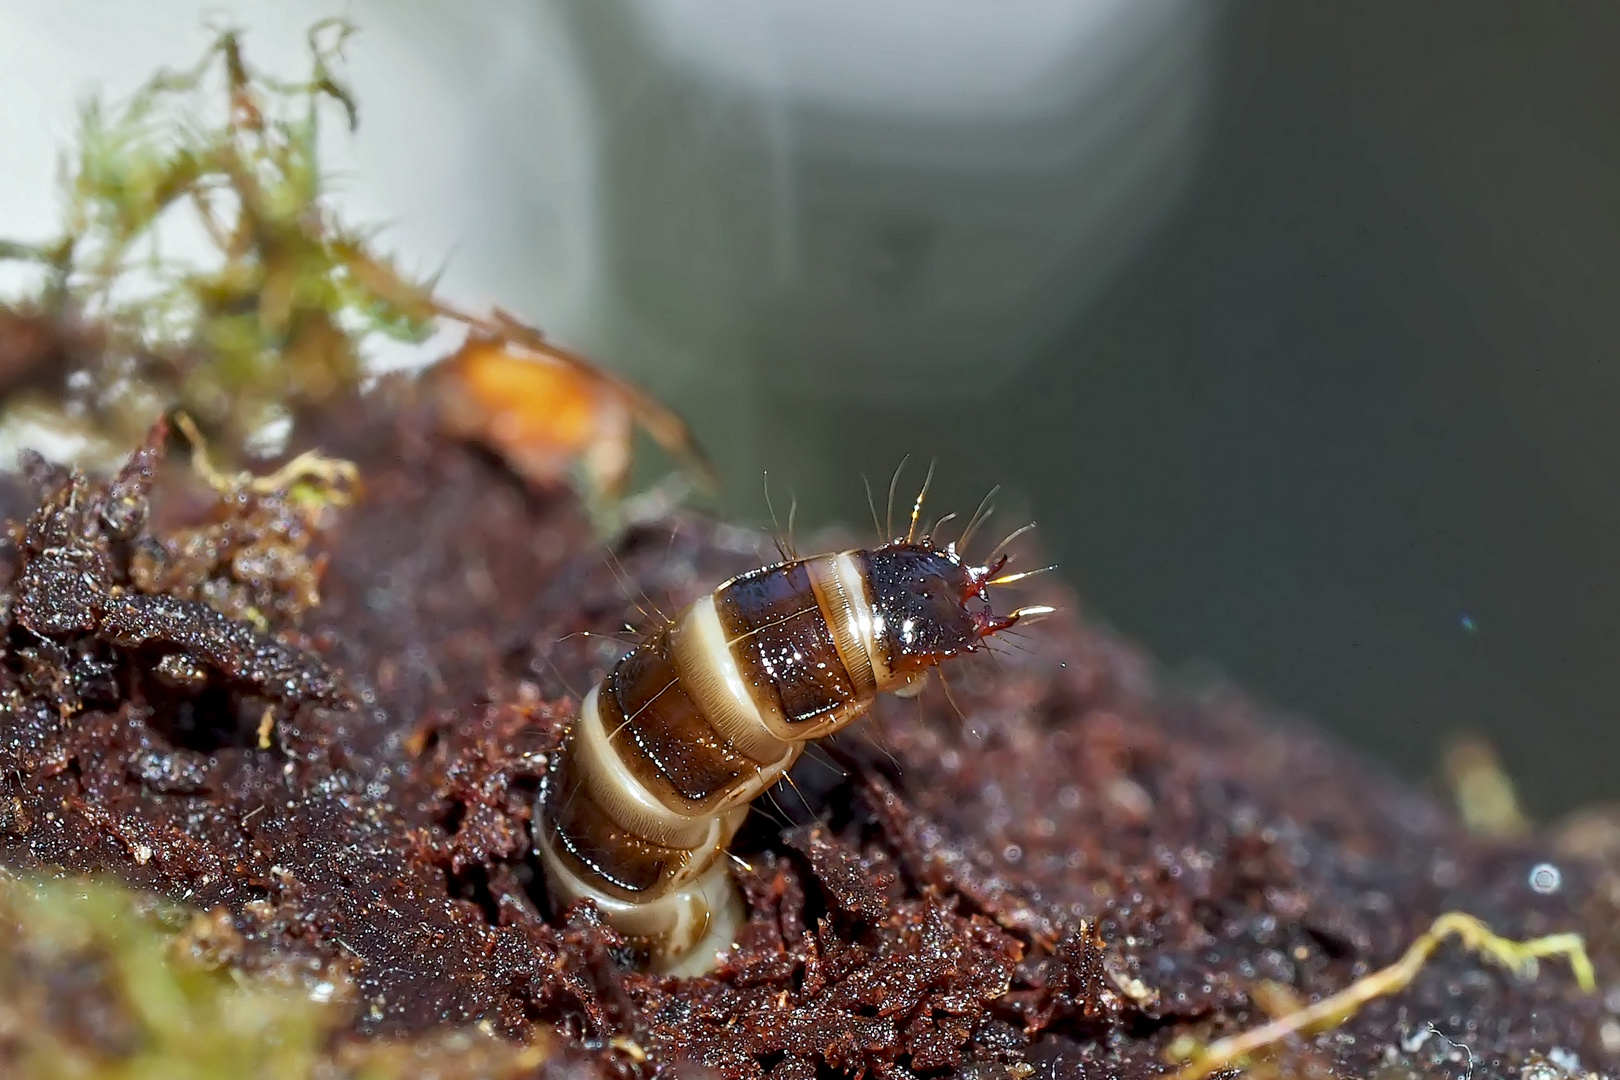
{"type": "Point", "coordinates": [670, 748]}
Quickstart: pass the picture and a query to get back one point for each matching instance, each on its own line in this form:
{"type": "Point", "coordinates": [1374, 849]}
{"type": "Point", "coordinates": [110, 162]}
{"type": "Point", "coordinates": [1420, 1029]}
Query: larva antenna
{"type": "Point", "coordinates": [916, 507]}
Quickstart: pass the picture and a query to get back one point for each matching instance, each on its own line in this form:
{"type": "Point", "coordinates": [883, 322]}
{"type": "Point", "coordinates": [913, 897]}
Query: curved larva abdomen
{"type": "Point", "coordinates": [670, 748]}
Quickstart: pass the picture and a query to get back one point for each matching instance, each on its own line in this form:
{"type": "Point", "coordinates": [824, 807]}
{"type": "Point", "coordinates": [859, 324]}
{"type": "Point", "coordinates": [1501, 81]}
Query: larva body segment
{"type": "Point", "coordinates": [688, 728]}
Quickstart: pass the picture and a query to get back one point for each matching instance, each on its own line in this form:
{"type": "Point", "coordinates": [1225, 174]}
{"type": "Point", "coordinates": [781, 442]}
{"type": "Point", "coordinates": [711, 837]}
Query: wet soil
{"type": "Point", "coordinates": [1058, 868]}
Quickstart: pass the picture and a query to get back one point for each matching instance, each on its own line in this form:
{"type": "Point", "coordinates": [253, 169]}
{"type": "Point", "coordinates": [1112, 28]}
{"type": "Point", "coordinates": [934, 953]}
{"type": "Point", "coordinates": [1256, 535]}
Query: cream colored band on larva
{"type": "Point", "coordinates": [843, 611]}
{"type": "Point", "coordinates": [631, 806]}
{"type": "Point", "coordinates": [689, 925]}
{"type": "Point", "coordinates": [710, 674]}
{"type": "Point", "coordinates": [866, 628]}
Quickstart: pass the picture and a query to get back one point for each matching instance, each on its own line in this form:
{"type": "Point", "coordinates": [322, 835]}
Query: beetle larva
{"type": "Point", "coordinates": [688, 728]}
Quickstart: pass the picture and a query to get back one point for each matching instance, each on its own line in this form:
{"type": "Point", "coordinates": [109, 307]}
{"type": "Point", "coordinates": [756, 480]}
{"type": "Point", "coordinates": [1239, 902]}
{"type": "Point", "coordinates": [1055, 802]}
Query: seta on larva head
{"type": "Point", "coordinates": [671, 747]}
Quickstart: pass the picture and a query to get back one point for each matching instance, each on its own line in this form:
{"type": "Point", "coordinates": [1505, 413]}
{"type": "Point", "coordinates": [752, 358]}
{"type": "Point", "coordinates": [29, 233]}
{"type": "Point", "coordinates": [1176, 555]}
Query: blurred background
{"type": "Point", "coordinates": [1291, 324]}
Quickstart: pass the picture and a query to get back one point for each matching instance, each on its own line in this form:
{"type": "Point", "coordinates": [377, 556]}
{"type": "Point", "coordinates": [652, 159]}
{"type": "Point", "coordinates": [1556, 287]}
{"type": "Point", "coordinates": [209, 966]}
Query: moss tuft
{"type": "Point", "coordinates": [93, 985]}
{"type": "Point", "coordinates": [273, 318]}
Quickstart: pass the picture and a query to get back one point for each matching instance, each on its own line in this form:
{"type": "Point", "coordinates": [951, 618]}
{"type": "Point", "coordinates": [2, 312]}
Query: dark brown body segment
{"type": "Point", "coordinates": [661, 734]}
{"type": "Point", "coordinates": [597, 850]}
{"type": "Point", "coordinates": [781, 643]}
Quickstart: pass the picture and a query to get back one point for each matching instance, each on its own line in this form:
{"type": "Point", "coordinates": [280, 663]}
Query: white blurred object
{"type": "Point", "coordinates": [473, 148]}
{"type": "Point", "coordinates": [728, 198]}
{"type": "Point", "coordinates": [900, 199]}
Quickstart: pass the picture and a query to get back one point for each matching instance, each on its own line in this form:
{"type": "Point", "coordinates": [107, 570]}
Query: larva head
{"type": "Point", "coordinates": [928, 605]}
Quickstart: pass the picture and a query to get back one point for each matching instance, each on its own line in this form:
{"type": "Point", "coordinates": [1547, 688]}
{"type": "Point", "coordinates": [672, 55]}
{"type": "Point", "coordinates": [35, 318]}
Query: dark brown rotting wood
{"type": "Point", "coordinates": [853, 884]}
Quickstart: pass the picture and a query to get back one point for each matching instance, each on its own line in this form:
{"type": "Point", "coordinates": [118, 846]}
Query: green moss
{"type": "Point", "coordinates": [91, 985]}
{"type": "Point", "coordinates": [275, 319]}
{"type": "Point", "coordinates": [98, 982]}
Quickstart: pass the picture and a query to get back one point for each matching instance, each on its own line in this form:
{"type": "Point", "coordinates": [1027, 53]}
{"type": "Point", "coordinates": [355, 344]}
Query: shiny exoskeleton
{"type": "Point", "coordinates": [687, 729]}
